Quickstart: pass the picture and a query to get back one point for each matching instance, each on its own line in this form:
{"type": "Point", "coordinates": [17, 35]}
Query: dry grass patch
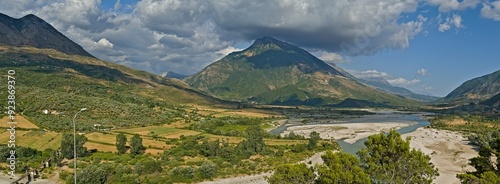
{"type": "Point", "coordinates": [154, 151]}
{"type": "Point", "coordinates": [36, 139]}
{"type": "Point", "coordinates": [105, 138]}
{"type": "Point", "coordinates": [177, 124]}
{"type": "Point", "coordinates": [21, 122]}
{"type": "Point", "coordinates": [100, 147]}
{"type": "Point", "coordinates": [182, 132]}
{"type": "Point", "coordinates": [284, 142]}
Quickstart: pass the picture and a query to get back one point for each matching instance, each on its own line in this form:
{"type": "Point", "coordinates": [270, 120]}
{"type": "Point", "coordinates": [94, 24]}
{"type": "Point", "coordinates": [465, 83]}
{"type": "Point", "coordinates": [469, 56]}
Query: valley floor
{"type": "Point", "coordinates": [449, 151]}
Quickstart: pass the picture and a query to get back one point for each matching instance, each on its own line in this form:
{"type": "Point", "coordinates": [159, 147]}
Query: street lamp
{"type": "Point", "coordinates": [74, 139]}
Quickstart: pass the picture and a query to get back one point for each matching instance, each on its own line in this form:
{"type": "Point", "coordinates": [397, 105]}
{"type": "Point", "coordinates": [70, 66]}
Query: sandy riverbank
{"type": "Point", "coordinates": [449, 152]}
{"type": "Point", "coordinates": [350, 132]}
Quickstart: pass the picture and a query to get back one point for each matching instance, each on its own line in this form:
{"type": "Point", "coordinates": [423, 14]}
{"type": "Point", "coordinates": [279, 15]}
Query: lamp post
{"type": "Point", "coordinates": [74, 139]}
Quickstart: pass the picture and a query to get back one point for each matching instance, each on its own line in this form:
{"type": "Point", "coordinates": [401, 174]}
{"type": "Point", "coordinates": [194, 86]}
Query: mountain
{"type": "Point", "coordinates": [477, 89]}
{"type": "Point", "coordinates": [274, 72]}
{"type": "Point", "coordinates": [35, 32]}
{"type": "Point", "coordinates": [383, 85]}
{"type": "Point", "coordinates": [173, 75]}
{"type": "Point", "coordinates": [493, 101]}
{"type": "Point", "coordinates": [61, 77]}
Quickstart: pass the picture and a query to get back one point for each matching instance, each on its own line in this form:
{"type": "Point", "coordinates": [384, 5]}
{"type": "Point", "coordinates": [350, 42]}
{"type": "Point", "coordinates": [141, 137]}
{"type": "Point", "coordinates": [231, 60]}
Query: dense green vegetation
{"type": "Point", "coordinates": [229, 126]}
{"type": "Point", "coordinates": [486, 164]}
{"type": "Point", "coordinates": [116, 96]}
{"type": "Point", "coordinates": [466, 123]}
{"type": "Point", "coordinates": [386, 159]}
{"type": "Point", "coordinates": [341, 168]}
{"type": "Point", "coordinates": [293, 174]}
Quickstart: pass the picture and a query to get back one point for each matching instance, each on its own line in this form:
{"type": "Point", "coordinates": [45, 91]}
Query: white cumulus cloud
{"type": "Point", "coordinates": [403, 82]}
{"type": "Point", "coordinates": [368, 74]}
{"type": "Point", "coordinates": [491, 10]}
{"type": "Point", "coordinates": [452, 5]}
{"type": "Point", "coordinates": [103, 42]}
{"type": "Point", "coordinates": [331, 57]}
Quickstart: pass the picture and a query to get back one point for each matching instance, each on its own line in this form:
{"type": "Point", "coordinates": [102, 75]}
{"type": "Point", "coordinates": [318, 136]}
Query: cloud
{"type": "Point", "coordinates": [422, 72]}
{"type": "Point", "coordinates": [185, 36]}
{"type": "Point", "coordinates": [452, 5]}
{"type": "Point", "coordinates": [103, 42]}
{"type": "Point", "coordinates": [368, 74]}
{"type": "Point", "coordinates": [491, 10]}
{"type": "Point", "coordinates": [330, 57]}
{"type": "Point", "coordinates": [403, 82]}
{"type": "Point", "coordinates": [228, 50]}
{"type": "Point", "coordinates": [395, 81]}
{"type": "Point", "coordinates": [455, 21]}
{"type": "Point", "coordinates": [117, 5]}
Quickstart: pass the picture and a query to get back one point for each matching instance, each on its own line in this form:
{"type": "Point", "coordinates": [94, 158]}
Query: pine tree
{"type": "Point", "coordinates": [389, 159]}
{"type": "Point", "coordinates": [341, 168]}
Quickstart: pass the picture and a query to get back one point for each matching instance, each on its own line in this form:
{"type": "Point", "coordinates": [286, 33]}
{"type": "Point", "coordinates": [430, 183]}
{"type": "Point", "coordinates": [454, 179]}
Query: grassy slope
{"type": "Point", "coordinates": [115, 95]}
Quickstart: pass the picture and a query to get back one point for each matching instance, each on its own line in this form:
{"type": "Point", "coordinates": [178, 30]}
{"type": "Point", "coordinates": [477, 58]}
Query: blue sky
{"type": "Point", "coordinates": [450, 57]}
{"type": "Point", "coordinates": [429, 47]}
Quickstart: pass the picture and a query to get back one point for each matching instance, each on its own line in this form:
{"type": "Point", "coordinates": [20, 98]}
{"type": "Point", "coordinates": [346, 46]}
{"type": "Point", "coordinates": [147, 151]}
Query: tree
{"type": "Point", "coordinates": [254, 143]}
{"type": "Point", "coordinates": [487, 167]}
{"type": "Point", "coordinates": [292, 174]}
{"type": "Point", "coordinates": [389, 159]}
{"type": "Point", "coordinates": [341, 168]}
{"type": "Point", "coordinates": [313, 140]}
{"type": "Point", "coordinates": [147, 166]}
{"type": "Point", "coordinates": [136, 146]}
{"type": "Point", "coordinates": [121, 143]}
{"type": "Point", "coordinates": [207, 170]}
{"type": "Point", "coordinates": [93, 174]}
{"type": "Point", "coordinates": [67, 144]}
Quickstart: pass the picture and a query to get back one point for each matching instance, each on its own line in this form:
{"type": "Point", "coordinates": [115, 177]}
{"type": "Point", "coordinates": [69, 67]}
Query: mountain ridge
{"type": "Point", "coordinates": [479, 88]}
{"type": "Point", "coordinates": [275, 72]}
{"type": "Point", "coordinates": [33, 31]}
{"type": "Point", "coordinates": [382, 84]}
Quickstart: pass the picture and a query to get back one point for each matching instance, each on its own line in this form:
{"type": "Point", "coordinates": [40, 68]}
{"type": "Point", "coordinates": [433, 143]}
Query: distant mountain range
{"type": "Point", "coordinates": [173, 75]}
{"type": "Point", "coordinates": [35, 32]}
{"type": "Point", "coordinates": [271, 71]}
{"type": "Point", "coordinates": [383, 85]}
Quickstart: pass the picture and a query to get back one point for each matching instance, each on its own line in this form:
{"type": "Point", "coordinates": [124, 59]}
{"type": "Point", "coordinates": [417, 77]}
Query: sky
{"type": "Point", "coordinates": [429, 47]}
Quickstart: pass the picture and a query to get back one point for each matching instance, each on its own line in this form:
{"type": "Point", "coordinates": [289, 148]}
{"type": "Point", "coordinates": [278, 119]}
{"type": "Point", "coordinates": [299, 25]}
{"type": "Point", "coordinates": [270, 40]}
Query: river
{"type": "Point", "coordinates": [379, 117]}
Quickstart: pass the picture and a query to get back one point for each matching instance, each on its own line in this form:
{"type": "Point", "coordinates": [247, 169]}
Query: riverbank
{"type": "Point", "coordinates": [449, 151]}
{"type": "Point", "coordinates": [349, 132]}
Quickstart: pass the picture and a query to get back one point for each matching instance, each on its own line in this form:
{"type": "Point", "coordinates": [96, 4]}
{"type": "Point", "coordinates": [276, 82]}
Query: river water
{"type": "Point", "coordinates": [379, 117]}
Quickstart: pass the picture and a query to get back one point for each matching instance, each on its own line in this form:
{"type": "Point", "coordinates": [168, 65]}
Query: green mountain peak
{"type": "Point", "coordinates": [271, 71]}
